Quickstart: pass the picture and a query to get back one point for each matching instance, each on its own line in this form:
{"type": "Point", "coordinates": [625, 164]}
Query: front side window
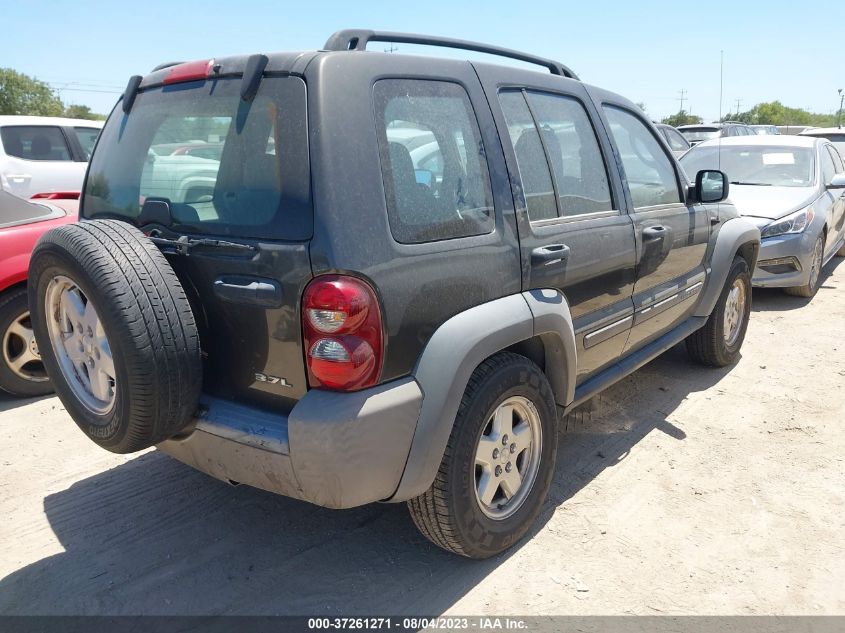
{"type": "Point", "coordinates": [649, 172]}
{"type": "Point", "coordinates": [87, 136]}
{"type": "Point", "coordinates": [556, 130]}
{"type": "Point", "coordinates": [828, 168]}
{"type": "Point", "coordinates": [35, 142]}
{"type": "Point", "coordinates": [224, 166]}
{"type": "Point", "coordinates": [836, 158]}
{"type": "Point", "coordinates": [433, 162]}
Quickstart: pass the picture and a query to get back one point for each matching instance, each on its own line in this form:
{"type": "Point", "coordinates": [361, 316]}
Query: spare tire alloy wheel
{"type": "Point", "coordinates": [80, 345]}
{"type": "Point", "coordinates": [116, 333]}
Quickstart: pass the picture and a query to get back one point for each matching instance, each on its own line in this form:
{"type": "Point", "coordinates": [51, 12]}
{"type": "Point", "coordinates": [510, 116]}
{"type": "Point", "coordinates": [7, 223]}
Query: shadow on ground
{"type": "Point", "coordinates": [152, 536]}
{"type": "Point", "coordinates": [7, 402]}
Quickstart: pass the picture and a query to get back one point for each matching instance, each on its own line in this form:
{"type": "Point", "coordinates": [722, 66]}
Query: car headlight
{"type": "Point", "coordinates": [793, 223]}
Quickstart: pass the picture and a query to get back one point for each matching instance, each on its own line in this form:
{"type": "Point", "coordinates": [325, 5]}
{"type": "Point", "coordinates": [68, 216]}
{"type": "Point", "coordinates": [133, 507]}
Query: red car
{"type": "Point", "coordinates": [21, 224]}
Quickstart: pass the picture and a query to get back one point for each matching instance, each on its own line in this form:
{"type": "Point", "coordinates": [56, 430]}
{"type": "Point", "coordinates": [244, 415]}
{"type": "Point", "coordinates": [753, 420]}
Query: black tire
{"type": "Point", "coordinates": [449, 512]}
{"type": "Point", "coordinates": [708, 345]}
{"type": "Point", "coordinates": [809, 291]}
{"type": "Point", "coordinates": [147, 321]}
{"type": "Point", "coordinates": [29, 380]}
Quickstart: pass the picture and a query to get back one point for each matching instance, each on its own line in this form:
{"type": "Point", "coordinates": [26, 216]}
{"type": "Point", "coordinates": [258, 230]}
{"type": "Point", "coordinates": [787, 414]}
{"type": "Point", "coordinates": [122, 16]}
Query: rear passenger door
{"type": "Point", "coordinates": [573, 234]}
{"type": "Point", "coordinates": [671, 235]}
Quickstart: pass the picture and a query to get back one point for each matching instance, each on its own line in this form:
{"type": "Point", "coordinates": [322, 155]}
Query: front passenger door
{"type": "Point", "coordinates": [671, 236]}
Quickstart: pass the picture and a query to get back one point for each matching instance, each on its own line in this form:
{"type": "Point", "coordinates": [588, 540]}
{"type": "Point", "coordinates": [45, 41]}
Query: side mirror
{"type": "Point", "coordinates": [837, 182]}
{"type": "Point", "coordinates": [711, 185]}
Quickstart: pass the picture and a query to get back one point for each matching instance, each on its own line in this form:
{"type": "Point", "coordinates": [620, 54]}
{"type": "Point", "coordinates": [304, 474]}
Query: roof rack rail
{"type": "Point", "coordinates": [357, 40]}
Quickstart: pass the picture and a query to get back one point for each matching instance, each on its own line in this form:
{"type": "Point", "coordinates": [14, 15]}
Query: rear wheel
{"type": "Point", "coordinates": [498, 464]}
{"type": "Point", "coordinates": [812, 286]}
{"type": "Point", "coordinates": [21, 370]}
{"type": "Point", "coordinates": [718, 343]}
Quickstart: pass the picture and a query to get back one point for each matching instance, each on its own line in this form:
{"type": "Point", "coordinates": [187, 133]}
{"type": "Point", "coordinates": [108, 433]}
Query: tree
{"type": "Point", "coordinates": [682, 118]}
{"type": "Point", "coordinates": [640, 105]}
{"type": "Point", "coordinates": [77, 111]}
{"type": "Point", "coordinates": [21, 94]}
{"type": "Point", "coordinates": [775, 113]}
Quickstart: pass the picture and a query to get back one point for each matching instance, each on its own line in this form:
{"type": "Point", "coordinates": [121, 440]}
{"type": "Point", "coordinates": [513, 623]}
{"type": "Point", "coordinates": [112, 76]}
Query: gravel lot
{"type": "Point", "coordinates": [682, 491]}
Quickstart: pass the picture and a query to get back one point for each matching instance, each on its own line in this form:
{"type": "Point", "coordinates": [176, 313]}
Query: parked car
{"type": "Point", "coordinates": [705, 132]}
{"type": "Point", "coordinates": [835, 135]}
{"type": "Point", "coordinates": [328, 327]}
{"type": "Point", "coordinates": [42, 154]}
{"type": "Point", "coordinates": [765, 129]}
{"type": "Point", "coordinates": [21, 224]}
{"type": "Point", "coordinates": [677, 143]}
{"type": "Point", "coordinates": [792, 188]}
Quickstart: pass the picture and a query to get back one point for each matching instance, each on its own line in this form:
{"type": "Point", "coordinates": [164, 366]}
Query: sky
{"type": "Point", "coordinates": [646, 50]}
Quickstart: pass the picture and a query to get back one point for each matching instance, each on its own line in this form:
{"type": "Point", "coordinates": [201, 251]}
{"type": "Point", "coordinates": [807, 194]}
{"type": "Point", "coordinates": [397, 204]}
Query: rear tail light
{"type": "Point", "coordinates": [342, 331]}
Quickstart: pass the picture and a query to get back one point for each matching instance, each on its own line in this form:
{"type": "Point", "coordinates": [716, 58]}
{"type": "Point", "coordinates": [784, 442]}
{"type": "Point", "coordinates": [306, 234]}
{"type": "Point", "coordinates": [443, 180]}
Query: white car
{"type": "Point", "coordinates": [835, 135]}
{"type": "Point", "coordinates": [44, 154]}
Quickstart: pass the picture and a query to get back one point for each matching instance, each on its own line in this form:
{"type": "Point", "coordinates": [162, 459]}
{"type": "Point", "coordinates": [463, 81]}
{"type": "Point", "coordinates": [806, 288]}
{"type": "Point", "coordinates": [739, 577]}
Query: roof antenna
{"type": "Point", "coordinates": [721, 90]}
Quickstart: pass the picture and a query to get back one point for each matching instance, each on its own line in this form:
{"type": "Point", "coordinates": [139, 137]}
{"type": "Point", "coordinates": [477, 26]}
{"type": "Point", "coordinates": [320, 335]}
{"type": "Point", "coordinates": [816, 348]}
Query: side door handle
{"type": "Point", "coordinates": [549, 254]}
{"type": "Point", "coordinates": [654, 233]}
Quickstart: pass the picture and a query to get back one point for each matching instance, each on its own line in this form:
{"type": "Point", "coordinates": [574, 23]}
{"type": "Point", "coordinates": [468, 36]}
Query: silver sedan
{"type": "Point", "coordinates": [792, 188]}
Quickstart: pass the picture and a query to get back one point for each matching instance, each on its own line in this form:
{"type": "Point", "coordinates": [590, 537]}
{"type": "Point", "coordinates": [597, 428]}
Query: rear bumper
{"type": "Point", "coordinates": [337, 450]}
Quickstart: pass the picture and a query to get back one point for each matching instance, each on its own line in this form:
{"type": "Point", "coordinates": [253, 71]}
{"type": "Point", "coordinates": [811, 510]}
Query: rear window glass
{"type": "Point", "coordinates": [35, 142]}
{"type": "Point", "coordinates": [87, 136]}
{"type": "Point", "coordinates": [225, 166]}
{"type": "Point", "coordinates": [432, 157]}
{"type": "Point", "coordinates": [699, 134]}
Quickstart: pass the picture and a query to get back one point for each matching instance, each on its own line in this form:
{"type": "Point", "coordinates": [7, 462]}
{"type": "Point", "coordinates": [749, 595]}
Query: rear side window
{"type": "Point", "coordinates": [648, 170]}
{"type": "Point", "coordinates": [676, 141]}
{"type": "Point", "coordinates": [35, 142]}
{"type": "Point", "coordinates": [87, 136]}
{"type": "Point", "coordinates": [433, 163]}
{"type": "Point", "coordinates": [225, 166]}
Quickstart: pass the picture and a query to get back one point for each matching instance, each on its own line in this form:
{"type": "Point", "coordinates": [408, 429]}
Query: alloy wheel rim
{"type": "Point", "coordinates": [507, 457]}
{"type": "Point", "coordinates": [80, 345]}
{"type": "Point", "coordinates": [817, 263]}
{"type": "Point", "coordinates": [734, 312]}
{"type": "Point", "coordinates": [20, 350]}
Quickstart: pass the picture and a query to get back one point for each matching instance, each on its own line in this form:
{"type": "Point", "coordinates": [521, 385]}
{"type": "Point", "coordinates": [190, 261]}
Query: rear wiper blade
{"type": "Point", "coordinates": [183, 244]}
{"type": "Point", "coordinates": [751, 184]}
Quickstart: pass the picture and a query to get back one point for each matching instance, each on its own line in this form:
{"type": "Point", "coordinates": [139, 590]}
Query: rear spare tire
{"type": "Point", "coordinates": [116, 333]}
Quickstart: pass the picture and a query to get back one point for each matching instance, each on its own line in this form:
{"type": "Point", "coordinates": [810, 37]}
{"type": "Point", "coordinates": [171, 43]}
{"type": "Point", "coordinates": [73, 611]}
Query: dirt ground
{"type": "Point", "coordinates": [684, 491]}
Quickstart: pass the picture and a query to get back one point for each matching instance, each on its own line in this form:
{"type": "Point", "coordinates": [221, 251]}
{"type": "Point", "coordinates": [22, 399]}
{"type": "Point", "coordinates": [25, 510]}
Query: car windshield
{"type": "Point", "coordinates": [696, 134]}
{"type": "Point", "coordinates": [750, 165]}
{"type": "Point", "coordinates": [222, 165]}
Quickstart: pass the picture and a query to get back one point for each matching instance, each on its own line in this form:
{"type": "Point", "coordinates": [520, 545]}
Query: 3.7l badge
{"type": "Point", "coordinates": [273, 380]}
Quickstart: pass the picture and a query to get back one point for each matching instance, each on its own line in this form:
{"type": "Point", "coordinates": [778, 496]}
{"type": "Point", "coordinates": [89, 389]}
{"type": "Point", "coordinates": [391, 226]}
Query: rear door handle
{"type": "Point", "coordinates": [549, 254]}
{"type": "Point", "coordinates": [654, 233]}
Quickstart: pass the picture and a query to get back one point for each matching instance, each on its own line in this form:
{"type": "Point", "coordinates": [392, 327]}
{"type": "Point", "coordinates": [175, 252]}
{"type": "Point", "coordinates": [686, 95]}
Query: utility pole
{"type": "Point", "coordinates": [839, 115]}
{"type": "Point", "coordinates": [392, 49]}
{"type": "Point", "coordinates": [738, 103]}
{"type": "Point", "coordinates": [683, 93]}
